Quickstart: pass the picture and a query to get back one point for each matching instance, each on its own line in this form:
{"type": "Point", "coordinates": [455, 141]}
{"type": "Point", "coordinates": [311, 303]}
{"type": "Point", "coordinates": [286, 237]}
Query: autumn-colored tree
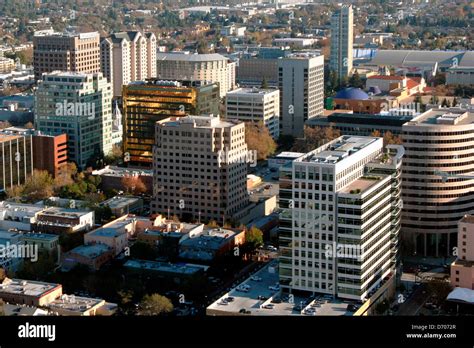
{"type": "Point", "coordinates": [29, 125]}
{"type": "Point", "coordinates": [133, 184]}
{"type": "Point", "coordinates": [66, 175]}
{"type": "Point", "coordinates": [37, 187]}
{"type": "Point", "coordinates": [314, 138]}
{"type": "Point", "coordinates": [155, 304]}
{"type": "Point", "coordinates": [258, 138]}
{"type": "Point", "coordinates": [4, 124]}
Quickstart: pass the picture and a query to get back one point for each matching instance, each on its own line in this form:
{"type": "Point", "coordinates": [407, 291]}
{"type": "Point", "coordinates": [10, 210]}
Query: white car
{"type": "Point", "coordinates": [255, 278]}
{"type": "Point", "coordinates": [274, 287]}
{"type": "Point", "coordinates": [222, 303]}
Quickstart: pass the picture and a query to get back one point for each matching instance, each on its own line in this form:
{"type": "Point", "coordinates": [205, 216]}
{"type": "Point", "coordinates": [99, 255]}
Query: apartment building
{"type": "Point", "coordinates": [301, 84]}
{"type": "Point", "coordinates": [126, 57]}
{"type": "Point", "coordinates": [342, 37]}
{"type": "Point", "coordinates": [77, 52]}
{"type": "Point", "coordinates": [255, 105]}
{"type": "Point", "coordinates": [437, 142]}
{"type": "Point", "coordinates": [79, 105]}
{"type": "Point", "coordinates": [202, 67]}
{"type": "Point", "coordinates": [200, 168]}
{"type": "Point", "coordinates": [462, 270]}
{"type": "Point", "coordinates": [146, 102]}
{"type": "Point", "coordinates": [16, 160]}
{"type": "Point", "coordinates": [338, 227]}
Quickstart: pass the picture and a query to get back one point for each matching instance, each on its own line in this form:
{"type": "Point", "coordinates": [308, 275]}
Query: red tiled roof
{"type": "Point", "coordinates": [412, 83]}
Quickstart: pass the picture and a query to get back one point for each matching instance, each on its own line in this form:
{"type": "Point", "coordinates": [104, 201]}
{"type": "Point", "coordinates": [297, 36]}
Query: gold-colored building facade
{"type": "Point", "coordinates": [145, 103]}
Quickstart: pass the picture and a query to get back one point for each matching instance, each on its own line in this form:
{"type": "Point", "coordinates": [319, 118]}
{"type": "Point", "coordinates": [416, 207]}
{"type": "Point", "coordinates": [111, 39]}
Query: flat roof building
{"type": "Point", "coordinates": [438, 140]}
{"type": "Point", "coordinates": [209, 173]}
{"type": "Point", "coordinates": [146, 102]}
{"type": "Point", "coordinates": [462, 269]}
{"type": "Point", "coordinates": [255, 105]}
{"type": "Point", "coordinates": [66, 51]}
{"type": "Point", "coordinates": [336, 201]}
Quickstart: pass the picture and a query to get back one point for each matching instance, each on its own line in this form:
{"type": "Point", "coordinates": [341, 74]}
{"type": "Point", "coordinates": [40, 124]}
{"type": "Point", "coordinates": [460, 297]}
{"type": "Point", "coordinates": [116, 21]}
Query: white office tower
{"type": "Point", "coordinates": [255, 105]}
{"type": "Point", "coordinates": [126, 57]}
{"type": "Point", "coordinates": [79, 105]}
{"type": "Point", "coordinates": [340, 218]}
{"type": "Point", "coordinates": [342, 37]}
{"type": "Point", "coordinates": [301, 84]}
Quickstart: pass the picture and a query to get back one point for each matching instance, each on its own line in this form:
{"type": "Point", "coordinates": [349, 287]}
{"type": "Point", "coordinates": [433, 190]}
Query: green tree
{"type": "Point", "coordinates": [155, 304]}
{"type": "Point", "coordinates": [254, 237]}
{"type": "Point", "coordinates": [264, 83]}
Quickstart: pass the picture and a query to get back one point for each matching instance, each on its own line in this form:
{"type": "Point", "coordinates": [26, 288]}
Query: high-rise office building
{"type": "Point", "coordinates": [439, 140]}
{"type": "Point", "coordinates": [146, 102]}
{"type": "Point", "coordinates": [342, 37]}
{"type": "Point", "coordinates": [340, 218]}
{"type": "Point", "coordinates": [76, 52]}
{"type": "Point", "coordinates": [200, 168]}
{"type": "Point", "coordinates": [128, 56]}
{"type": "Point", "coordinates": [16, 160]}
{"type": "Point", "coordinates": [255, 105]}
{"type": "Point", "coordinates": [301, 84]}
{"type": "Point", "coordinates": [203, 67]}
{"type": "Point", "coordinates": [79, 105]}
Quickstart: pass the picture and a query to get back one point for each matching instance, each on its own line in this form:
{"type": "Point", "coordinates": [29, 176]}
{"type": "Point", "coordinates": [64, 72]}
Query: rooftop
{"type": "Point", "coordinates": [121, 171]}
{"type": "Point", "coordinates": [251, 91]}
{"type": "Point", "coordinates": [362, 184]}
{"type": "Point", "coordinates": [182, 268]}
{"type": "Point", "coordinates": [337, 150]}
{"type": "Point", "coordinates": [443, 116]}
{"type": "Point", "coordinates": [469, 219]}
{"type": "Point", "coordinates": [40, 236]}
{"type": "Point", "coordinates": [106, 232]}
{"type": "Point", "coordinates": [91, 251]}
{"type": "Point", "coordinates": [189, 57]}
{"type": "Point", "coordinates": [74, 303]}
{"type": "Point", "coordinates": [197, 122]}
{"type": "Point", "coordinates": [268, 276]}
{"type": "Point", "coordinates": [120, 201]}
{"type": "Point", "coordinates": [27, 287]}
{"type": "Point", "coordinates": [64, 213]}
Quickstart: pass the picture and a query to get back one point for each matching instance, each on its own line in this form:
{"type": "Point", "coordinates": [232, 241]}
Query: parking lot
{"type": "Point", "coordinates": [254, 297]}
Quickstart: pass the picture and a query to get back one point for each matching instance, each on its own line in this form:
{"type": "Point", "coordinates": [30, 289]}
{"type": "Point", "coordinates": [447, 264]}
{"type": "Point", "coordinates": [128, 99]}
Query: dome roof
{"type": "Point", "coordinates": [352, 93]}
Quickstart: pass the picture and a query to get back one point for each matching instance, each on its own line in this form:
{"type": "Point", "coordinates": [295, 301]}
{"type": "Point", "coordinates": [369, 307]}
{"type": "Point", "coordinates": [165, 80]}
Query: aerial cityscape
{"type": "Point", "coordinates": [217, 158]}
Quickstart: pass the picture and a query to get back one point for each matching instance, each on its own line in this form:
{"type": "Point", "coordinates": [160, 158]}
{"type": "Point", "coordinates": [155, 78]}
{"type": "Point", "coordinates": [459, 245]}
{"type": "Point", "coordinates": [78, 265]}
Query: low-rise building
{"type": "Point", "coordinates": [114, 238]}
{"type": "Point", "coordinates": [60, 220]}
{"type": "Point", "coordinates": [44, 241]}
{"type": "Point", "coordinates": [92, 256]}
{"type": "Point", "coordinates": [71, 305]}
{"type": "Point", "coordinates": [211, 244]}
{"type": "Point", "coordinates": [177, 272]}
{"type": "Point", "coordinates": [122, 205]}
{"type": "Point", "coordinates": [112, 177]}
{"type": "Point", "coordinates": [29, 292]}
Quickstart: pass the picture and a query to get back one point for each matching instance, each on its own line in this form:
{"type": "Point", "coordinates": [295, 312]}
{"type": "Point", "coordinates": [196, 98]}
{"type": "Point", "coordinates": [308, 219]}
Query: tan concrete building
{"type": "Point", "coordinates": [437, 141]}
{"type": "Point", "coordinates": [77, 52]}
{"type": "Point", "coordinates": [462, 270]}
{"type": "Point", "coordinates": [126, 57]}
{"type": "Point", "coordinates": [255, 105]}
{"type": "Point", "coordinates": [200, 168]}
{"type": "Point", "coordinates": [6, 65]}
{"type": "Point", "coordinates": [203, 67]}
